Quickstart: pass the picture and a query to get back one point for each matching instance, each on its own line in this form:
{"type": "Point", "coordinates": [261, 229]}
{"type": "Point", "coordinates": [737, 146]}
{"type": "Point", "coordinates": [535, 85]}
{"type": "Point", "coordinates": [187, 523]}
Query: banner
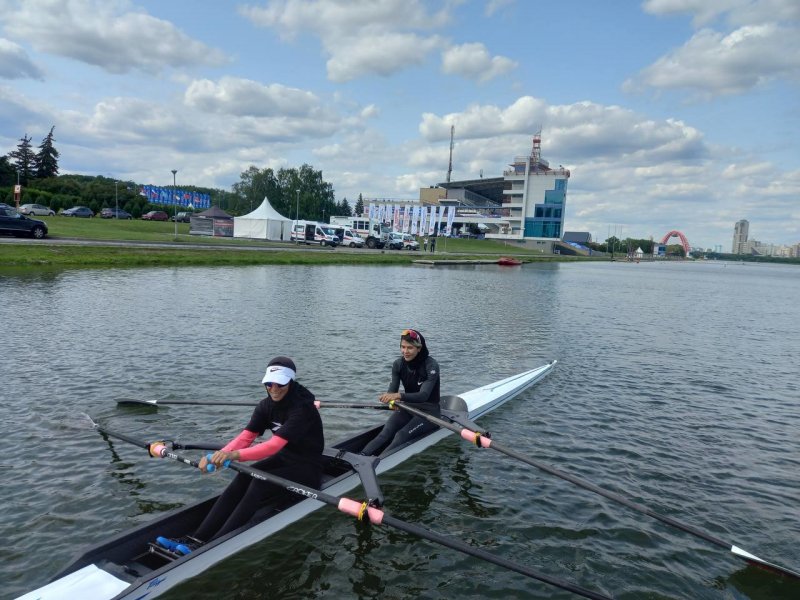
{"type": "Point", "coordinates": [373, 212]}
{"type": "Point", "coordinates": [451, 214]}
{"type": "Point", "coordinates": [162, 195]}
{"type": "Point", "coordinates": [396, 220]}
{"type": "Point", "coordinates": [439, 220]}
{"type": "Point", "coordinates": [431, 220]}
{"type": "Point", "coordinates": [423, 220]}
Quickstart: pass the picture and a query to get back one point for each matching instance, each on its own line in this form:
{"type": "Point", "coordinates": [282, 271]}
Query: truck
{"type": "Point", "coordinates": [311, 232]}
{"type": "Point", "coordinates": [375, 234]}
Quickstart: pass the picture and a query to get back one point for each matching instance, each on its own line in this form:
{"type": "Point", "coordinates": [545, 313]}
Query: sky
{"type": "Point", "coordinates": [670, 114]}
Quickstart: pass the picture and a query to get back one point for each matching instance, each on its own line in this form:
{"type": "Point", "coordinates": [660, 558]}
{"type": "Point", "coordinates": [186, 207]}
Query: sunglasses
{"type": "Point", "coordinates": [271, 384]}
{"type": "Point", "coordinates": [410, 333]}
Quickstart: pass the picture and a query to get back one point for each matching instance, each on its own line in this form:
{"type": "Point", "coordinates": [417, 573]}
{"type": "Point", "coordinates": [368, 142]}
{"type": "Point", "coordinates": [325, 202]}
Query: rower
{"type": "Point", "coordinates": [418, 371]}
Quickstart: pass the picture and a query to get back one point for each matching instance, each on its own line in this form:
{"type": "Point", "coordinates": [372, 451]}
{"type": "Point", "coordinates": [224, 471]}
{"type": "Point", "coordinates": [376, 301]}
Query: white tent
{"type": "Point", "coordinates": [264, 223]}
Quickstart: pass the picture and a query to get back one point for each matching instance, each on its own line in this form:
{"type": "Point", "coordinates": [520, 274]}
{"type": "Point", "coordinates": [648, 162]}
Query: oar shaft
{"type": "Point", "coordinates": [610, 495]}
{"type": "Point", "coordinates": [319, 404]}
{"type": "Point", "coordinates": [486, 442]}
{"type": "Point", "coordinates": [375, 516]}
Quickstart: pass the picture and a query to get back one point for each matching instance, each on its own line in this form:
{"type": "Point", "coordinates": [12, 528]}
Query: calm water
{"type": "Point", "coordinates": [676, 384]}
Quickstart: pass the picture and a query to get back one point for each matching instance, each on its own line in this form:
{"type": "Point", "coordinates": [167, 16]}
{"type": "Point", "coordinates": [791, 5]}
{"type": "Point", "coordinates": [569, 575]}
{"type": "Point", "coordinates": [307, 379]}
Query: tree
{"type": "Point", "coordinates": [360, 206]}
{"type": "Point", "coordinates": [344, 208]}
{"type": "Point", "coordinates": [8, 176]}
{"type": "Point", "coordinates": [24, 159]}
{"type": "Point", "coordinates": [47, 157]}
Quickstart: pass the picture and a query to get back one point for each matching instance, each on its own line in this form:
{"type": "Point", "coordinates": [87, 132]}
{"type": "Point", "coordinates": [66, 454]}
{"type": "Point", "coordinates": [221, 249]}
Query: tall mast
{"type": "Point", "coordinates": [450, 165]}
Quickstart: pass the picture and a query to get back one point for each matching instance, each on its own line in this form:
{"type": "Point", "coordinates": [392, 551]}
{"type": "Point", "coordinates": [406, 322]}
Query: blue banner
{"type": "Point", "coordinates": [170, 196]}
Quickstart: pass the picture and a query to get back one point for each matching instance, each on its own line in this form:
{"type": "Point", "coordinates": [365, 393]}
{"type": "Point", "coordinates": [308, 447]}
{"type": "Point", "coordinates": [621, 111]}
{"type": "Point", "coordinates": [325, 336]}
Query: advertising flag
{"type": "Point", "coordinates": [451, 215]}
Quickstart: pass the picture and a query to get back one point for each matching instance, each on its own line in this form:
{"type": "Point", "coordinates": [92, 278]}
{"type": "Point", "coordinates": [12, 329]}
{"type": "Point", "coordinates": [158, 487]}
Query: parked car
{"type": "Point", "coordinates": [409, 243]}
{"type": "Point", "coordinates": [115, 213]}
{"type": "Point", "coordinates": [182, 217]}
{"type": "Point", "coordinates": [14, 223]}
{"type": "Point", "coordinates": [37, 209]}
{"type": "Point", "coordinates": [155, 215]}
{"type": "Point", "coordinates": [78, 211]}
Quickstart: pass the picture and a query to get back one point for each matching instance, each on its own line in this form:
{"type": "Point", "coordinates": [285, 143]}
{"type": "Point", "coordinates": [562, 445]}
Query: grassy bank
{"type": "Point", "coordinates": [216, 251]}
{"type": "Point", "coordinates": [60, 256]}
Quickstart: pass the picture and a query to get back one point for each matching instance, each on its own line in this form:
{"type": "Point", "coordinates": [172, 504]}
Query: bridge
{"type": "Point", "coordinates": [677, 234]}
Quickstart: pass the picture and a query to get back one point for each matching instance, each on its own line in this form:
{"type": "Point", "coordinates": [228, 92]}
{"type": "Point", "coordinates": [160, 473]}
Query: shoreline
{"type": "Point", "coordinates": [54, 253]}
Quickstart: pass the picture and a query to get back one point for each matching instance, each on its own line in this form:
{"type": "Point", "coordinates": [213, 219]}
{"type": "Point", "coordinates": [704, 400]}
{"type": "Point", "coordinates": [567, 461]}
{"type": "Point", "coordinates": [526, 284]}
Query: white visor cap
{"type": "Point", "coordinates": [278, 374]}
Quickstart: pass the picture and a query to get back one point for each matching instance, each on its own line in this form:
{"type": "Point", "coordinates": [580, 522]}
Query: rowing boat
{"type": "Point", "coordinates": [129, 565]}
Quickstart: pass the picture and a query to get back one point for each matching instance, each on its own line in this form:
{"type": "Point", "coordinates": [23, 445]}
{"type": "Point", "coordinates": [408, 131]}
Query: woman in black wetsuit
{"type": "Point", "coordinates": [418, 371]}
{"type": "Point", "coordinates": [294, 452]}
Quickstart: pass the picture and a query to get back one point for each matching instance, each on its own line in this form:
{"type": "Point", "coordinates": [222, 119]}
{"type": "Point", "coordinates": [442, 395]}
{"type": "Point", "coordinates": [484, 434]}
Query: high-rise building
{"type": "Point", "coordinates": [740, 231]}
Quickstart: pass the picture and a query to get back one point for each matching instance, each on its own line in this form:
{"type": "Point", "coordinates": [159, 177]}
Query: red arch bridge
{"type": "Point", "coordinates": [677, 234]}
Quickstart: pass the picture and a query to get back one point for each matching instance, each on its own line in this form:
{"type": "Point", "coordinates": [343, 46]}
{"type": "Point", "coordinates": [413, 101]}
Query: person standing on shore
{"type": "Point", "coordinates": [433, 244]}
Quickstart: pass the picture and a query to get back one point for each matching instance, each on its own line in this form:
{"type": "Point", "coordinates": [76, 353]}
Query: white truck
{"type": "Point", "coordinates": [311, 232]}
{"type": "Point", "coordinates": [375, 234]}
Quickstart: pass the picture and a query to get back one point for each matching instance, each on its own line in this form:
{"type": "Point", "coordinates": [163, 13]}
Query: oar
{"type": "Point", "coordinates": [375, 516]}
{"type": "Point", "coordinates": [483, 441]}
{"type": "Point", "coordinates": [319, 404]}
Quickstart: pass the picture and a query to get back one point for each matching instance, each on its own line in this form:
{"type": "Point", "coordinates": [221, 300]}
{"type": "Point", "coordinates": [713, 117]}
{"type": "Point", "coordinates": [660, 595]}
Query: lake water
{"type": "Point", "coordinates": [677, 385]}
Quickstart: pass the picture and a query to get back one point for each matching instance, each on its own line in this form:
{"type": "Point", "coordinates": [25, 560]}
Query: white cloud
{"type": "Point", "coordinates": [367, 37]}
{"type": "Point", "coordinates": [713, 63]}
{"type": "Point", "coordinates": [243, 97]}
{"type": "Point", "coordinates": [15, 62]}
{"type": "Point", "coordinates": [106, 34]}
{"type": "Point", "coordinates": [474, 62]}
{"type": "Point", "coordinates": [379, 54]}
{"type": "Point", "coordinates": [494, 6]}
{"type": "Point", "coordinates": [738, 12]}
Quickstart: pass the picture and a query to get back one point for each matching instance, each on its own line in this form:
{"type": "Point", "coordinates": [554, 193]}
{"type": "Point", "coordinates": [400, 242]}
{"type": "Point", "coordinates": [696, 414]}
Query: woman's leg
{"type": "Point", "coordinates": [394, 424]}
{"type": "Point", "coordinates": [223, 507]}
{"type": "Point", "coordinates": [415, 428]}
{"type": "Point", "coordinates": [259, 491]}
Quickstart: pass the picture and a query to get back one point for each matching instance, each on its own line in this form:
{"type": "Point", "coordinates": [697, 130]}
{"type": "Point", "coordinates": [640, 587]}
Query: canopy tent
{"type": "Point", "coordinates": [264, 223]}
{"type": "Point", "coordinates": [213, 221]}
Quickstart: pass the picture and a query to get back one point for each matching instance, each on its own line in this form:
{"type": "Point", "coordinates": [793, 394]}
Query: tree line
{"type": "Point", "coordinates": [294, 192]}
{"type": "Point", "coordinates": [23, 164]}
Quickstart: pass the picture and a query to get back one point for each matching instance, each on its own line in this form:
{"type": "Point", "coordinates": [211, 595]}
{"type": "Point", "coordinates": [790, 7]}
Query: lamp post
{"type": "Point", "coordinates": [297, 218]}
{"type": "Point", "coordinates": [175, 212]}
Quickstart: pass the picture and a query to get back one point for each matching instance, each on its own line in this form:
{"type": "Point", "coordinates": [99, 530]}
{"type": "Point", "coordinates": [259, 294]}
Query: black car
{"type": "Point", "coordinates": [182, 217]}
{"type": "Point", "coordinates": [13, 223]}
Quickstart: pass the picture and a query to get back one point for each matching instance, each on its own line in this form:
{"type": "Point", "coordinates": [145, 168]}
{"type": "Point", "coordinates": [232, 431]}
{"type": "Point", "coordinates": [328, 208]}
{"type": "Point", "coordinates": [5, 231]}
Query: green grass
{"type": "Point", "coordinates": [223, 251]}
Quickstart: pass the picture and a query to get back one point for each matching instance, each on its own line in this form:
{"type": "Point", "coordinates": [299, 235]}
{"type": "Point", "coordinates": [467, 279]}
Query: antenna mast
{"type": "Point", "coordinates": [450, 164]}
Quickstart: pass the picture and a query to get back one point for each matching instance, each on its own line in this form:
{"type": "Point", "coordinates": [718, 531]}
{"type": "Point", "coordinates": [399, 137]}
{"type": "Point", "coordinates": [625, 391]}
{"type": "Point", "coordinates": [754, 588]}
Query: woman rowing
{"type": "Point", "coordinates": [294, 451]}
{"type": "Point", "coordinates": [418, 371]}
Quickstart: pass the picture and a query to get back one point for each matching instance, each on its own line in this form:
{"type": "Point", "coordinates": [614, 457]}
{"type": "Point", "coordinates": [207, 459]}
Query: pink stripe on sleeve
{"type": "Point", "coordinates": [243, 440]}
{"type": "Point", "coordinates": [272, 446]}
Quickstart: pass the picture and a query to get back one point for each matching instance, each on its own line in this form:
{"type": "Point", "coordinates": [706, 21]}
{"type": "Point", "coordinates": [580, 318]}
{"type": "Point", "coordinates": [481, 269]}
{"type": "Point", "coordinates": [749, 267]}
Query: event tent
{"type": "Point", "coordinates": [264, 223]}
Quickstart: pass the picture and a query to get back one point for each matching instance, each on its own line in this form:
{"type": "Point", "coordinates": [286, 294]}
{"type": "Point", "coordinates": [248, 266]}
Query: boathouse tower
{"type": "Point", "coordinates": [534, 197]}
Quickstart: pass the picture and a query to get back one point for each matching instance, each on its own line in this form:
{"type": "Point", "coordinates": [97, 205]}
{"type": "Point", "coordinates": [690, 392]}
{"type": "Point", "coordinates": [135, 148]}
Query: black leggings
{"type": "Point", "coordinates": [400, 428]}
{"type": "Point", "coordinates": [243, 496]}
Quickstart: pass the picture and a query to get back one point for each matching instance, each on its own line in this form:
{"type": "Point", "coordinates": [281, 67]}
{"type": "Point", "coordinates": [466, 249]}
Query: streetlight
{"type": "Point", "coordinates": [175, 212]}
{"type": "Point", "coordinates": [297, 218]}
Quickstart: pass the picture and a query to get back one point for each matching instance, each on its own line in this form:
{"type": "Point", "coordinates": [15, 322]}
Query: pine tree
{"type": "Point", "coordinates": [24, 159]}
{"type": "Point", "coordinates": [360, 206]}
{"type": "Point", "coordinates": [47, 157]}
{"type": "Point", "coordinates": [344, 208]}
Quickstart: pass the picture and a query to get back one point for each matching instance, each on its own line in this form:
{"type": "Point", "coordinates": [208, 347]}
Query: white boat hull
{"type": "Point", "coordinates": [92, 582]}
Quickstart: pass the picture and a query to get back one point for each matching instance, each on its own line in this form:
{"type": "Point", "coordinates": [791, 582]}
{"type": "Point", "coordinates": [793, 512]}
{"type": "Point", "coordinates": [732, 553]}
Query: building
{"type": "Point", "coordinates": [527, 203]}
{"type": "Point", "coordinates": [740, 233]}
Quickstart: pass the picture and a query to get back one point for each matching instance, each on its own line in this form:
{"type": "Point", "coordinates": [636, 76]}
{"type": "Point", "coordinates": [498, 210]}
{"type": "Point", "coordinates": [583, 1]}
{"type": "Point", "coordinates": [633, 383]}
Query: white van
{"type": "Point", "coordinates": [310, 232]}
{"type": "Point", "coordinates": [348, 237]}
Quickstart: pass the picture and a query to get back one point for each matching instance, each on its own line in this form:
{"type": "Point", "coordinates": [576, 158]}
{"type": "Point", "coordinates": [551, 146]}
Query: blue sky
{"type": "Point", "coordinates": [670, 114]}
